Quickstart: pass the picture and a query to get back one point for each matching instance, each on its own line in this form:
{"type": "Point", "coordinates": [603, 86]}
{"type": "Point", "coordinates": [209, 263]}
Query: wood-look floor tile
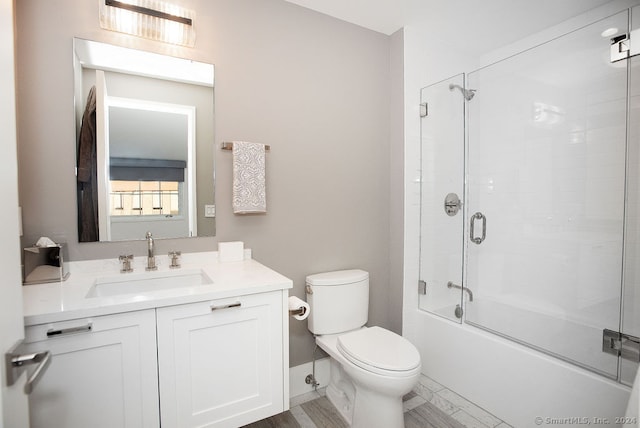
{"type": "Point", "coordinates": [409, 396]}
{"type": "Point", "coordinates": [467, 420]}
{"type": "Point", "coordinates": [323, 414]}
{"type": "Point", "coordinates": [282, 420]}
{"type": "Point", "coordinates": [429, 416]}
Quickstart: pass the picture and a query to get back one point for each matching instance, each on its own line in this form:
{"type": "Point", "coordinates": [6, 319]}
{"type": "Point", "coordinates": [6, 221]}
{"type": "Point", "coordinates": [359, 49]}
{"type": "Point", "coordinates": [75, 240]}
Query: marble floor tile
{"type": "Point", "coordinates": [443, 404]}
{"type": "Point", "coordinates": [467, 420]}
{"type": "Point", "coordinates": [474, 411]}
{"type": "Point", "coordinates": [423, 391]}
{"type": "Point", "coordinates": [430, 384]}
{"type": "Point", "coordinates": [412, 403]}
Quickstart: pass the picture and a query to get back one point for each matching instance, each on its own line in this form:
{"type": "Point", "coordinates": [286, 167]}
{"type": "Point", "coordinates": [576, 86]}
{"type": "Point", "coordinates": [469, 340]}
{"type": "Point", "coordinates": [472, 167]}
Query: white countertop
{"type": "Point", "coordinates": [59, 301]}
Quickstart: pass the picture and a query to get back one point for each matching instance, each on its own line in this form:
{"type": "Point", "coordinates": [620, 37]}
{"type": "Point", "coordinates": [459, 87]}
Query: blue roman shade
{"type": "Point", "coordinates": [135, 169]}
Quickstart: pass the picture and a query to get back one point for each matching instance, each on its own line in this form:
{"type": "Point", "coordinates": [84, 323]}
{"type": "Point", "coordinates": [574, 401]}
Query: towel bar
{"type": "Point", "coordinates": [228, 145]}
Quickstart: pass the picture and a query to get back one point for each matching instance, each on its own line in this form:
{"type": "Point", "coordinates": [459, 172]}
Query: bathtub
{"type": "Point", "coordinates": [514, 382]}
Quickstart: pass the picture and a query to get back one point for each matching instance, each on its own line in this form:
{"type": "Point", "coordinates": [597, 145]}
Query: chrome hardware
{"type": "Point", "coordinates": [63, 331]}
{"type": "Point", "coordinates": [299, 311]}
{"type": "Point", "coordinates": [458, 312]}
{"type": "Point", "coordinates": [452, 204]}
{"type": "Point", "coordinates": [459, 287]}
{"type": "Point", "coordinates": [230, 305]}
{"type": "Point", "coordinates": [468, 94]}
{"type": "Point", "coordinates": [151, 259]}
{"type": "Point", "coordinates": [228, 145]}
{"type": "Point", "coordinates": [175, 259]}
{"type": "Point", "coordinates": [422, 287]}
{"type": "Point", "coordinates": [478, 216]}
{"type": "Point", "coordinates": [625, 46]}
{"type": "Point", "coordinates": [619, 47]}
{"type": "Point", "coordinates": [424, 110]}
{"type": "Point", "coordinates": [126, 263]}
{"type": "Point", "coordinates": [310, 380]}
{"type": "Point", "coordinates": [15, 363]}
{"type": "Point", "coordinates": [620, 344]}
{"type": "Point", "coordinates": [308, 289]}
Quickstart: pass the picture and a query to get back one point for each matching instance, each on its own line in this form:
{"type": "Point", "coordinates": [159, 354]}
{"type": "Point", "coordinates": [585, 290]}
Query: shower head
{"type": "Point", "coordinates": [466, 93]}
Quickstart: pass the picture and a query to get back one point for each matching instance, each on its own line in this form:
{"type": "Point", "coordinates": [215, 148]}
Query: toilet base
{"type": "Point", "coordinates": [374, 410]}
{"type": "Point", "coordinates": [361, 406]}
{"type": "Point", "coordinates": [365, 409]}
{"type": "Point", "coordinates": [340, 391]}
{"type": "Point", "coordinates": [365, 399]}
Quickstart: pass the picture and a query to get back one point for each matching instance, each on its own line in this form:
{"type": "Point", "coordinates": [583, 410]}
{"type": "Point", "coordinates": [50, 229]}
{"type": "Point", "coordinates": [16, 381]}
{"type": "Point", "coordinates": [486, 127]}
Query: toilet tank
{"type": "Point", "coordinates": [339, 301]}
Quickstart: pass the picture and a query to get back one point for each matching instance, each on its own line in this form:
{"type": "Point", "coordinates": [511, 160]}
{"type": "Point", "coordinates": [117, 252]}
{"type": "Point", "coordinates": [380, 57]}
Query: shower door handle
{"type": "Point", "coordinates": [477, 216]}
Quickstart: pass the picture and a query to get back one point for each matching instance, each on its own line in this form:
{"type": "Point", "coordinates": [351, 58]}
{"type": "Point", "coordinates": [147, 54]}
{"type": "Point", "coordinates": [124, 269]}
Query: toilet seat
{"type": "Point", "coordinates": [380, 351]}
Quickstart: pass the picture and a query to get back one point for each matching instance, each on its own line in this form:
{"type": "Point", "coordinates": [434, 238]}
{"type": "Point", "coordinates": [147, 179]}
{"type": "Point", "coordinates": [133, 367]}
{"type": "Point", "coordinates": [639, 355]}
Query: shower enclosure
{"type": "Point", "coordinates": [530, 197]}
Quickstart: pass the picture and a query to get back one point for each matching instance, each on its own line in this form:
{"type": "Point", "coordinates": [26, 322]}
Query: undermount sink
{"type": "Point", "coordinates": [147, 282]}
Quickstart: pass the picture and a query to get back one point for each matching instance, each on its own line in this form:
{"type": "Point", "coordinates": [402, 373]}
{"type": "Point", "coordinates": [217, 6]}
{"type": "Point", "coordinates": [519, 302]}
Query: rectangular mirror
{"type": "Point", "coordinates": [145, 135]}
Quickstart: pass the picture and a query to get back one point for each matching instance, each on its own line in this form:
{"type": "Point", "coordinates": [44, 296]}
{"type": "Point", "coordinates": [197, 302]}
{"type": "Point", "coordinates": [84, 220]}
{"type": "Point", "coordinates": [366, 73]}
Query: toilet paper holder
{"type": "Point", "coordinates": [299, 311]}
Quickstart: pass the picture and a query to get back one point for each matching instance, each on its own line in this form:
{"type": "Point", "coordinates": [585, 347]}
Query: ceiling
{"type": "Point", "coordinates": [514, 19]}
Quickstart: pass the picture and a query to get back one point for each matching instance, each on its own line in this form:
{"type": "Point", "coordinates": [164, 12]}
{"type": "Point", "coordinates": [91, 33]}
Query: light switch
{"type": "Point", "coordinates": [209, 210]}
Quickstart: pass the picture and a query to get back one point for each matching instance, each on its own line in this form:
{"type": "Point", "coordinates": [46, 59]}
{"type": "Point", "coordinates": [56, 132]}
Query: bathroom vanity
{"type": "Point", "coordinates": [203, 345]}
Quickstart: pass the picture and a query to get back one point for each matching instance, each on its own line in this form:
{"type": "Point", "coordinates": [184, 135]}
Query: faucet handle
{"type": "Point", "coordinates": [126, 263]}
{"type": "Point", "coordinates": [175, 256]}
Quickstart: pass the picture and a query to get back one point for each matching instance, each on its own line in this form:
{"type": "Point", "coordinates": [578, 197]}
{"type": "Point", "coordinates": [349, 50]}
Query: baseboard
{"type": "Point", "coordinates": [297, 375]}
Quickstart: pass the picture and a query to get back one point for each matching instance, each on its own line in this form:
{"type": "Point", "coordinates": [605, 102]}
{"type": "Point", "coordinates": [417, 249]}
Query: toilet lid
{"type": "Point", "coordinates": [376, 349]}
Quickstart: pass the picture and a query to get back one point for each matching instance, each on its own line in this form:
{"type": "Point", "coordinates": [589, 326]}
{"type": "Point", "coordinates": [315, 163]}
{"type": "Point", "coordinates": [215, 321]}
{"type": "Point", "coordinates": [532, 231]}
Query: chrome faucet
{"type": "Point", "coordinates": [465, 289]}
{"type": "Point", "coordinates": [151, 259]}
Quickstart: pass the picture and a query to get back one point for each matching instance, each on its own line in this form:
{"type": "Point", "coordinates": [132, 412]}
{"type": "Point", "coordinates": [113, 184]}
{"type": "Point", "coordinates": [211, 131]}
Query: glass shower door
{"type": "Point", "coordinates": [630, 323]}
{"type": "Point", "coordinates": [546, 195]}
{"type": "Point", "coordinates": [441, 192]}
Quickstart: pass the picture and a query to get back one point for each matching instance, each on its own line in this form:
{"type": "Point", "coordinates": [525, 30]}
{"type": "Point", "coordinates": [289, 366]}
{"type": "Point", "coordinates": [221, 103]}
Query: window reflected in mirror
{"type": "Point", "coordinates": [145, 198]}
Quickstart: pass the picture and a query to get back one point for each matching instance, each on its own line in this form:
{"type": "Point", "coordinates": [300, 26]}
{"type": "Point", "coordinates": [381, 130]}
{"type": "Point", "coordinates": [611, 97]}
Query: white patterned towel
{"type": "Point", "coordinates": [249, 190]}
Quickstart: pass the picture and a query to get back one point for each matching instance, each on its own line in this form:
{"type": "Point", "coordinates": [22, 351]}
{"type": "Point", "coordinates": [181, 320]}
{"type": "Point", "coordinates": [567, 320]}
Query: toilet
{"type": "Point", "coordinates": [371, 368]}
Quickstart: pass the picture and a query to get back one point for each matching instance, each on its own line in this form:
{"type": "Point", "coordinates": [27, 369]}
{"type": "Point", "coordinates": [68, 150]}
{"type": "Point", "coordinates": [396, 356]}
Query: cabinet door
{"type": "Point", "coordinates": [220, 362]}
{"type": "Point", "coordinates": [103, 372]}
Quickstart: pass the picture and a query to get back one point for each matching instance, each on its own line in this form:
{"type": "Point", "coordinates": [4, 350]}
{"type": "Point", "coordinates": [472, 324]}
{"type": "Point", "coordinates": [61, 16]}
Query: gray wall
{"type": "Point", "coordinates": [317, 89]}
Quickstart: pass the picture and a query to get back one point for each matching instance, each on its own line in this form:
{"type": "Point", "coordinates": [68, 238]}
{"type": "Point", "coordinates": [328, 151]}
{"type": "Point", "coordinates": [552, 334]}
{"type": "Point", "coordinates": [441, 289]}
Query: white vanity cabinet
{"type": "Point", "coordinates": [221, 362]}
{"type": "Point", "coordinates": [103, 372]}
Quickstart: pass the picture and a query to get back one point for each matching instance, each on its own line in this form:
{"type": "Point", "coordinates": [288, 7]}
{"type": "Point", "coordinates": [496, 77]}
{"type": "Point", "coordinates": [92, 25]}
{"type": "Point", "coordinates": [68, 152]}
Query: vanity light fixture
{"type": "Point", "coordinates": [150, 19]}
